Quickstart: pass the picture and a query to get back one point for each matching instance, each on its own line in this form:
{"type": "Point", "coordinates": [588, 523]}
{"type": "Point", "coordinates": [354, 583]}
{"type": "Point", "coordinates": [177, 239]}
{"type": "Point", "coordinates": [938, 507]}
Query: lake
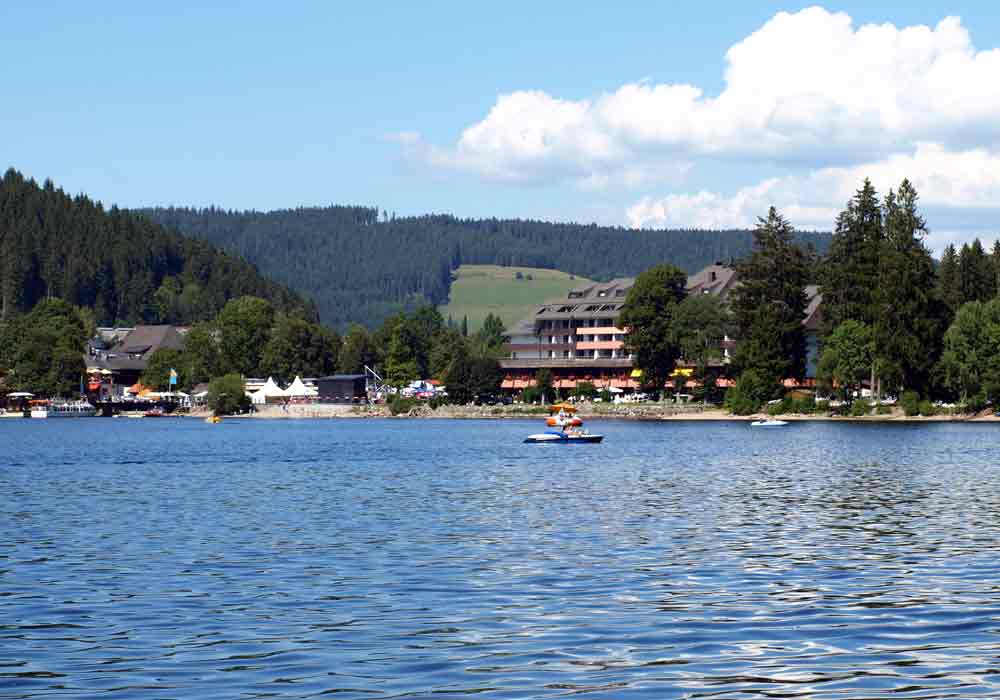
{"type": "Point", "coordinates": [430, 558]}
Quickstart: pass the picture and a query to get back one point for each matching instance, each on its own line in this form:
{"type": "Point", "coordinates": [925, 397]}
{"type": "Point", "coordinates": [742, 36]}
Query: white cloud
{"type": "Point", "coordinates": [966, 180]}
{"type": "Point", "coordinates": [807, 87]}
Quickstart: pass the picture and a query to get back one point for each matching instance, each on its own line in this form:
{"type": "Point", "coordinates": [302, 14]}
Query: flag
{"type": "Point", "coordinates": [173, 376]}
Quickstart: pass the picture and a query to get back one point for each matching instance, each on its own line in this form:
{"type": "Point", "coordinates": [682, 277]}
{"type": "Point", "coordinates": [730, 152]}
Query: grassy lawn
{"type": "Point", "coordinates": [482, 289]}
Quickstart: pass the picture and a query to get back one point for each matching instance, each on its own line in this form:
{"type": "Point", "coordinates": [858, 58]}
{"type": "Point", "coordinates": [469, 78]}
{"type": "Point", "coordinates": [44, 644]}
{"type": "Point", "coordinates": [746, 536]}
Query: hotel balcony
{"type": "Point", "coordinates": [600, 345]}
{"type": "Point", "coordinates": [599, 330]}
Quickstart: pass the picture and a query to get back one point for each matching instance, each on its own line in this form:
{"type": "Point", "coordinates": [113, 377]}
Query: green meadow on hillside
{"type": "Point", "coordinates": [482, 289]}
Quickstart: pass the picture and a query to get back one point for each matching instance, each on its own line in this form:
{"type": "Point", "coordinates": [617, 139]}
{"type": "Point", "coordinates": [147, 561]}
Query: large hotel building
{"type": "Point", "coordinates": [578, 337]}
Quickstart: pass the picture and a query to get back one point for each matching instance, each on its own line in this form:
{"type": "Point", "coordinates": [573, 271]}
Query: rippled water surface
{"type": "Point", "coordinates": [380, 559]}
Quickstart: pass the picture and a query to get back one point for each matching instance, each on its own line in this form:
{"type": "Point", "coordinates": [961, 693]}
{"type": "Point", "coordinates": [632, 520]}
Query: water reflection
{"type": "Point", "coordinates": [405, 559]}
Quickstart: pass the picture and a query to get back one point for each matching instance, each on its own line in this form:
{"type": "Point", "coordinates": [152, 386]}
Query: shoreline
{"type": "Point", "coordinates": [641, 412]}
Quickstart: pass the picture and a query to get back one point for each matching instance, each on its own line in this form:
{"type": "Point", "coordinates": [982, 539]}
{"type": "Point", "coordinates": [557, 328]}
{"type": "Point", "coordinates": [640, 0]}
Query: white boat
{"type": "Point", "coordinates": [63, 409]}
{"type": "Point", "coordinates": [769, 423]}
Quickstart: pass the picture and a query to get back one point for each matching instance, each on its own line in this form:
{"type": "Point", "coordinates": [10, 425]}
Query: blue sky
{"type": "Point", "coordinates": [267, 105]}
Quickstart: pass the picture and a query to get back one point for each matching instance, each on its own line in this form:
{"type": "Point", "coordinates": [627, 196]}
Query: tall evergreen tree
{"type": "Point", "coordinates": [976, 273]}
{"type": "Point", "coordinates": [908, 313]}
{"type": "Point", "coordinates": [850, 270]}
{"type": "Point", "coordinates": [770, 302]}
{"type": "Point", "coordinates": [950, 280]}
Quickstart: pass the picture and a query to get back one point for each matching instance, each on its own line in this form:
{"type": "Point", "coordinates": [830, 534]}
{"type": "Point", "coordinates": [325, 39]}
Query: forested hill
{"type": "Point", "coordinates": [358, 266]}
{"type": "Point", "coordinates": [124, 267]}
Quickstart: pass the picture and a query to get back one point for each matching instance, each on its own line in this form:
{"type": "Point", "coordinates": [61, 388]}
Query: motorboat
{"type": "Point", "coordinates": [564, 436]}
{"type": "Point", "coordinates": [62, 409]}
{"type": "Point", "coordinates": [567, 427]}
{"type": "Point", "coordinates": [768, 423]}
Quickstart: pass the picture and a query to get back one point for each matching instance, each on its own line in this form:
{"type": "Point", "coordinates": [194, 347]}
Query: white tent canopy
{"type": "Point", "coordinates": [270, 390]}
{"type": "Point", "coordinates": [298, 389]}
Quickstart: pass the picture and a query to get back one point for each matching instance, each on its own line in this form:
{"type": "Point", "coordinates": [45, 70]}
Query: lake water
{"type": "Point", "coordinates": [388, 559]}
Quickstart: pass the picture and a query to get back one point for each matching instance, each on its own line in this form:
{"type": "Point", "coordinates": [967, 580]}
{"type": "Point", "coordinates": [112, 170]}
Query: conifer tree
{"type": "Point", "coordinates": [850, 271]}
{"type": "Point", "coordinates": [976, 273]}
{"type": "Point", "coordinates": [770, 302]}
{"type": "Point", "coordinates": [950, 280]}
{"type": "Point", "coordinates": [907, 312]}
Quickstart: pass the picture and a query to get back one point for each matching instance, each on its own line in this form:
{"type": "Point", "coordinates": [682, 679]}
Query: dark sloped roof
{"type": "Point", "coordinates": [146, 340]}
{"type": "Point", "coordinates": [715, 279]}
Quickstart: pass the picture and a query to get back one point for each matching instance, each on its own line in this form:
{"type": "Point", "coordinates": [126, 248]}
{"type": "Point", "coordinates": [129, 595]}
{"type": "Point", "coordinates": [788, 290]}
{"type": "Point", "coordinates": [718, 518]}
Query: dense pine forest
{"type": "Point", "coordinates": [119, 264]}
{"type": "Point", "coordinates": [360, 265]}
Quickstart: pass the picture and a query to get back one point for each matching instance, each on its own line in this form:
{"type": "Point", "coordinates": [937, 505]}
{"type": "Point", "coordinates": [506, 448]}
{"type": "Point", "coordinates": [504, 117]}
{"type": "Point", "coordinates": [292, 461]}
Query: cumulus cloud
{"type": "Point", "coordinates": [966, 180]}
{"type": "Point", "coordinates": [806, 87]}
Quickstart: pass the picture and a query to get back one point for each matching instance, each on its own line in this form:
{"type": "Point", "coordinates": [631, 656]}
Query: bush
{"type": "Point", "coordinates": [606, 396]}
{"type": "Point", "coordinates": [585, 390]}
{"type": "Point", "coordinates": [910, 403]}
{"type": "Point", "coordinates": [226, 395]}
{"type": "Point", "coordinates": [977, 402]}
{"type": "Point", "coordinates": [927, 408]}
{"type": "Point", "coordinates": [400, 404]}
{"type": "Point", "coordinates": [752, 390]}
{"type": "Point", "coordinates": [530, 395]}
{"type": "Point", "coordinates": [822, 406]}
{"type": "Point", "coordinates": [806, 405]}
{"type": "Point", "coordinates": [883, 410]}
{"type": "Point", "coordinates": [860, 408]}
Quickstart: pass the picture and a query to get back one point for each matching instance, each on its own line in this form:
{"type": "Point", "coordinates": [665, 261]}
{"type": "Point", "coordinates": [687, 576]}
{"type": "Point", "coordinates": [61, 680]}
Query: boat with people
{"type": "Point", "coordinates": [568, 427]}
{"type": "Point", "coordinates": [45, 408]}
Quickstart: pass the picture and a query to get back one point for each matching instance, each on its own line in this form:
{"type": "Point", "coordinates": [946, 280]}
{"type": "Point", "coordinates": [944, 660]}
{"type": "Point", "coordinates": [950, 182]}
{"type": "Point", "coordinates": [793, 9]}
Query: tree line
{"type": "Point", "coordinates": [363, 266]}
{"type": "Point", "coordinates": [43, 351]}
{"type": "Point", "coordinates": [249, 338]}
{"type": "Point", "coordinates": [123, 267]}
{"type": "Point", "coordinates": [891, 318]}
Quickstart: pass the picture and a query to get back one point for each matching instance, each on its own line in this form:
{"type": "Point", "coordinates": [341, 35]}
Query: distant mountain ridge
{"type": "Point", "coordinates": [358, 266]}
{"type": "Point", "coordinates": [122, 266]}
